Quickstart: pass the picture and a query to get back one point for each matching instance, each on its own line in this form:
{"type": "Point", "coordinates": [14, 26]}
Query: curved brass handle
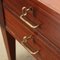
{"type": "Point", "coordinates": [25, 39]}
{"type": "Point", "coordinates": [24, 13]}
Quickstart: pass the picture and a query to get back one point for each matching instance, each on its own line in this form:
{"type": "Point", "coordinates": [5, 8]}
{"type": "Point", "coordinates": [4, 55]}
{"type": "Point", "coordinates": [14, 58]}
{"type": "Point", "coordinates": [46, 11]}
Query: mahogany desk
{"type": "Point", "coordinates": [35, 24]}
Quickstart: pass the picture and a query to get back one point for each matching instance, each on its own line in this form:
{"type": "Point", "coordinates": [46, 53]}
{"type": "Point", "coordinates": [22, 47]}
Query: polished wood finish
{"type": "Point", "coordinates": [53, 4]}
{"type": "Point", "coordinates": [10, 45]}
{"type": "Point", "coordinates": [48, 19]}
{"type": "Point", "coordinates": [46, 38]}
{"type": "Point", "coordinates": [20, 33]}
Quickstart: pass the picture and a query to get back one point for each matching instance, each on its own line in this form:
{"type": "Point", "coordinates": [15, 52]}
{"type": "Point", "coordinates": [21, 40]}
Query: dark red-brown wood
{"type": "Point", "coordinates": [46, 36]}
{"type": "Point", "coordinates": [49, 19]}
{"type": "Point", "coordinates": [19, 30]}
{"type": "Point", "coordinates": [8, 39]}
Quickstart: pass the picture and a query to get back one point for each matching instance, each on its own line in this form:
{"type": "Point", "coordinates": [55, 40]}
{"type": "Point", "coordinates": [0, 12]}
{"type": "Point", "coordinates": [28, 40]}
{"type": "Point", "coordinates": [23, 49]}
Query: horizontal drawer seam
{"type": "Point", "coordinates": [18, 17]}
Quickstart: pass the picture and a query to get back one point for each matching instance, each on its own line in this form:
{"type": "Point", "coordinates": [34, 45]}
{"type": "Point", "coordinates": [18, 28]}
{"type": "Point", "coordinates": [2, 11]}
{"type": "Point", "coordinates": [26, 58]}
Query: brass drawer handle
{"type": "Point", "coordinates": [25, 39]}
{"type": "Point", "coordinates": [24, 13]}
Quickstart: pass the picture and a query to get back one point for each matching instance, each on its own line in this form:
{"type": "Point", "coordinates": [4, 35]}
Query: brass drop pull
{"type": "Point", "coordinates": [25, 39]}
{"type": "Point", "coordinates": [24, 13]}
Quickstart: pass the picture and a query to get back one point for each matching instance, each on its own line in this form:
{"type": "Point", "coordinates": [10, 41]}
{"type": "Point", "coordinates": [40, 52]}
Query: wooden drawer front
{"type": "Point", "coordinates": [45, 52]}
{"type": "Point", "coordinates": [18, 30]}
{"type": "Point", "coordinates": [14, 26]}
{"type": "Point", "coordinates": [47, 19]}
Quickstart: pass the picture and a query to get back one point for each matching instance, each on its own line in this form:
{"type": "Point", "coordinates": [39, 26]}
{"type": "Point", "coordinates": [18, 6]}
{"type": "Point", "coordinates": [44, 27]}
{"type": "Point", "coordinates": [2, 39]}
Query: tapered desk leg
{"type": "Point", "coordinates": [11, 45]}
{"type": "Point", "coordinates": [8, 39]}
